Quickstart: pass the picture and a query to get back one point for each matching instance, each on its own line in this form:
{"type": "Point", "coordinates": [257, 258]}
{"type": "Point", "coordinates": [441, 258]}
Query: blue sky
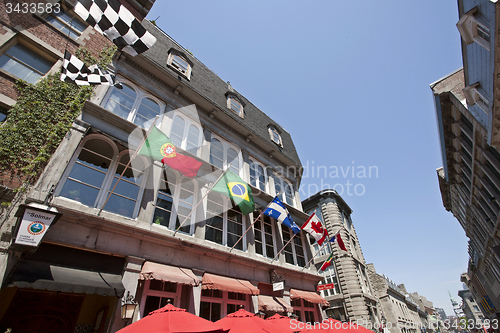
{"type": "Point", "coordinates": [350, 81]}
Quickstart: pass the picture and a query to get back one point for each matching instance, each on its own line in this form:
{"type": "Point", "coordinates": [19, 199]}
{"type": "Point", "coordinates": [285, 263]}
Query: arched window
{"type": "Point", "coordinates": [278, 187]}
{"type": "Point", "coordinates": [94, 171]}
{"type": "Point", "coordinates": [257, 176]}
{"type": "Point", "coordinates": [84, 181]}
{"type": "Point", "coordinates": [133, 104]}
{"type": "Point", "coordinates": [284, 189]}
{"type": "Point", "coordinates": [186, 134]}
{"type": "Point", "coordinates": [224, 155]}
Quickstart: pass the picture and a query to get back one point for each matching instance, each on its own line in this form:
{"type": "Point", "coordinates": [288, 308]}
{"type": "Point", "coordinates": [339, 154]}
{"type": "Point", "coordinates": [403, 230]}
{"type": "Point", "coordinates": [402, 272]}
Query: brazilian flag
{"type": "Point", "coordinates": [233, 187]}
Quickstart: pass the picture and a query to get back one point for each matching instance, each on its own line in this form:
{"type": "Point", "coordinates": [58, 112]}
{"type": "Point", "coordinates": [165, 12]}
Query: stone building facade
{"type": "Point", "coordinates": [101, 253]}
{"type": "Point", "coordinates": [352, 297]}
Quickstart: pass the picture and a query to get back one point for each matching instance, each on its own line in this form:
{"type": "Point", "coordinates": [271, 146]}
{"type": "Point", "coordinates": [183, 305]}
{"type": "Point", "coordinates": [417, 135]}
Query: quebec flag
{"type": "Point", "coordinates": [277, 210]}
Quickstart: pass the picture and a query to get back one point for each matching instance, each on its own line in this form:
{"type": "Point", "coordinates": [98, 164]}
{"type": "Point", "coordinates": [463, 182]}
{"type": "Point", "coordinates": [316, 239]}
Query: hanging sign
{"type": "Point", "coordinates": [33, 226]}
{"type": "Point", "coordinates": [325, 286]}
{"type": "Point", "coordinates": [279, 286]}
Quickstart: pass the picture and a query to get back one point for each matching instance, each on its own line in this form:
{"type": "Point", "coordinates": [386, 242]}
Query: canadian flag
{"type": "Point", "coordinates": [314, 226]}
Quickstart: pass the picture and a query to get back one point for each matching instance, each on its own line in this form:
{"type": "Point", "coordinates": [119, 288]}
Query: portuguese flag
{"type": "Point", "coordinates": [233, 187]}
{"type": "Point", "coordinates": [327, 262]}
{"type": "Point", "coordinates": [159, 147]}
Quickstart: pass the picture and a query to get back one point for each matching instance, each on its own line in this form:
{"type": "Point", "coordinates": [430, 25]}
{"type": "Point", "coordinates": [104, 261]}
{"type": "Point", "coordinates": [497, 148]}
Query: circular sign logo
{"type": "Point", "coordinates": [168, 150]}
{"type": "Point", "coordinates": [36, 228]}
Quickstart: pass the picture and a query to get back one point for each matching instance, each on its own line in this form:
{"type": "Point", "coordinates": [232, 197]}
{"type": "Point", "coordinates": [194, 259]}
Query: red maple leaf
{"type": "Point", "coordinates": [316, 226]}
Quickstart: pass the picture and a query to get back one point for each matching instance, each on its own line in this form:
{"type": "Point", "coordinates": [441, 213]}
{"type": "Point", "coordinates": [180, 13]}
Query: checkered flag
{"type": "Point", "coordinates": [117, 23]}
{"type": "Point", "coordinates": [75, 71]}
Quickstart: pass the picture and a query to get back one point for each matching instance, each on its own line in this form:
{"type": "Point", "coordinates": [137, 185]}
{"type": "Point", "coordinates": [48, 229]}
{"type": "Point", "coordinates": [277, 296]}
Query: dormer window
{"type": "Point", "coordinates": [473, 96]}
{"type": "Point", "coordinates": [275, 136]}
{"type": "Point", "coordinates": [472, 30]}
{"type": "Point", "coordinates": [179, 62]}
{"type": "Point", "coordinates": [235, 104]}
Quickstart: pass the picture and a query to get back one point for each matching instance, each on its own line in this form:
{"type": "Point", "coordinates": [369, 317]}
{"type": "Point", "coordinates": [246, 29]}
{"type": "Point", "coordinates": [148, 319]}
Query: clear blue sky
{"type": "Point", "coordinates": [350, 81]}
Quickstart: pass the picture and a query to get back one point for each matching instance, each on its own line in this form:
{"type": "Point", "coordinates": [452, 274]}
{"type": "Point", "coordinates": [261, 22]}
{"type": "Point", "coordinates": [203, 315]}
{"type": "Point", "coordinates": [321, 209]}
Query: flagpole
{"type": "Point", "coordinates": [285, 246]}
{"type": "Point", "coordinates": [321, 248]}
{"type": "Point", "coordinates": [129, 161]}
{"type": "Point", "coordinates": [201, 200]}
{"type": "Point", "coordinates": [252, 224]}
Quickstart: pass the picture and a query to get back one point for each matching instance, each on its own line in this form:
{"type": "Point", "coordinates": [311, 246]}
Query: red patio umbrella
{"type": "Point", "coordinates": [243, 321]}
{"type": "Point", "coordinates": [287, 323]}
{"type": "Point", "coordinates": [170, 319]}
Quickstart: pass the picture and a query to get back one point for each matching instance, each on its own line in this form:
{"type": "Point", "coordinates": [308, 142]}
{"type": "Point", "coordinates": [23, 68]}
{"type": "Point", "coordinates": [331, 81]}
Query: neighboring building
{"type": "Point", "coordinates": [457, 308]}
{"type": "Point", "coordinates": [441, 313]}
{"type": "Point", "coordinates": [467, 107]}
{"type": "Point", "coordinates": [401, 313]}
{"type": "Point", "coordinates": [469, 182]}
{"type": "Point", "coordinates": [352, 297]}
{"type": "Point", "coordinates": [102, 253]}
{"type": "Point", "coordinates": [470, 308]}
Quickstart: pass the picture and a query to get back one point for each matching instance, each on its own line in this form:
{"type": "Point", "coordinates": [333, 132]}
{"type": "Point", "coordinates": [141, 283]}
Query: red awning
{"type": "Point", "coordinates": [275, 304]}
{"type": "Point", "coordinates": [154, 271]}
{"type": "Point", "coordinates": [211, 281]}
{"type": "Point", "coordinates": [309, 296]}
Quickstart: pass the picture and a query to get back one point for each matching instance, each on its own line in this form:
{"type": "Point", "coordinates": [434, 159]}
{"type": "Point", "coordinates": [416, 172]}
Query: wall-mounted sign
{"type": "Point", "coordinates": [279, 286]}
{"type": "Point", "coordinates": [325, 286]}
{"type": "Point", "coordinates": [33, 226]}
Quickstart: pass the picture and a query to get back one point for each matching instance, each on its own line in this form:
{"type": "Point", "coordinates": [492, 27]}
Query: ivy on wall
{"type": "Point", "coordinates": [40, 119]}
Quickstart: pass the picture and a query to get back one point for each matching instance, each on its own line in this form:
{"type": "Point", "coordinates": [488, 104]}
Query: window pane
{"type": "Point", "coordinates": [24, 63]}
{"type": "Point", "coordinates": [3, 114]}
{"type": "Point", "coordinates": [233, 160]}
{"type": "Point", "coordinates": [288, 194]}
{"type": "Point", "coordinates": [217, 153]}
{"type": "Point", "coordinates": [121, 101]}
{"type": "Point", "coordinates": [152, 303]}
{"type": "Point", "coordinates": [193, 139]}
{"type": "Point", "coordinates": [148, 110]}
{"type": "Point", "coordinates": [180, 63]}
{"type": "Point", "coordinates": [185, 206]}
{"type": "Point", "coordinates": [177, 132]}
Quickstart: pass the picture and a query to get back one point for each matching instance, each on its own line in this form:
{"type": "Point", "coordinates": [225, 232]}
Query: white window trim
{"type": "Point", "coordinates": [266, 181]}
{"type": "Point", "coordinates": [175, 202]}
{"type": "Point", "coordinates": [170, 58]}
{"type": "Point", "coordinates": [188, 122]}
{"type": "Point", "coordinates": [226, 146]}
{"type": "Point", "coordinates": [291, 191]}
{"type": "Point", "coordinates": [282, 183]}
{"type": "Point", "coordinates": [141, 94]}
{"type": "Point", "coordinates": [226, 206]}
{"type": "Point", "coordinates": [70, 12]}
{"type": "Point", "coordinates": [108, 178]}
{"type": "Point", "coordinates": [237, 100]}
{"type": "Point", "coordinates": [263, 239]}
{"type": "Point", "coordinates": [473, 96]}
{"type": "Point", "coordinates": [272, 129]}
{"type": "Point", "coordinates": [292, 243]}
{"type": "Point", "coordinates": [467, 26]}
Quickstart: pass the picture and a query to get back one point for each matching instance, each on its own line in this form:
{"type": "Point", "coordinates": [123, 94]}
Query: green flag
{"type": "Point", "coordinates": [233, 187]}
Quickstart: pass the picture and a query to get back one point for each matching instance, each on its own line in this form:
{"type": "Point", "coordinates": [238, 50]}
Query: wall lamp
{"type": "Point", "coordinates": [128, 307]}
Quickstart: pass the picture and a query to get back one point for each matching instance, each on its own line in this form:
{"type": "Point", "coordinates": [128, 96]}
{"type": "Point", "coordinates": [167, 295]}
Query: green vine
{"type": "Point", "coordinates": [40, 119]}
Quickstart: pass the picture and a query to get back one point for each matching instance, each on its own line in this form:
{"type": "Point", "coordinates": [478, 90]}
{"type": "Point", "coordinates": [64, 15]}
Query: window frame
{"type": "Point", "coordinates": [31, 46]}
{"type": "Point", "coordinates": [110, 174]}
{"type": "Point", "coordinates": [140, 96]}
{"type": "Point", "coordinates": [226, 207]}
{"type": "Point", "coordinates": [188, 122]}
{"type": "Point", "coordinates": [69, 12]}
{"type": "Point", "coordinates": [172, 54]}
{"type": "Point", "coordinates": [233, 100]}
{"type": "Point", "coordinates": [225, 301]}
{"type": "Point", "coordinates": [281, 181]}
{"type": "Point", "coordinates": [468, 28]}
{"type": "Point", "coordinates": [285, 229]}
{"type": "Point", "coordinates": [273, 133]}
{"type": "Point", "coordinates": [262, 239]}
{"type": "Point", "coordinates": [257, 180]}
{"type": "Point", "coordinates": [176, 197]}
{"type": "Point", "coordinates": [330, 276]}
{"type": "Point", "coordinates": [226, 145]}
{"type": "Point", "coordinates": [149, 292]}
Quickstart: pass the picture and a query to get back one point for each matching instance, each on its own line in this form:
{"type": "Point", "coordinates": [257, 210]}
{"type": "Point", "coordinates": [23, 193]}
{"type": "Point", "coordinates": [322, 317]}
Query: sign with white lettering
{"type": "Point", "coordinates": [279, 286]}
{"type": "Point", "coordinates": [33, 227]}
{"type": "Point", "coordinates": [325, 286]}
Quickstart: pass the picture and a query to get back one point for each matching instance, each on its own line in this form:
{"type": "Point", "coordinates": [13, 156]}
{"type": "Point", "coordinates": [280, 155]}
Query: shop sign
{"type": "Point", "coordinates": [33, 226]}
{"type": "Point", "coordinates": [279, 286]}
{"type": "Point", "coordinates": [325, 286]}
